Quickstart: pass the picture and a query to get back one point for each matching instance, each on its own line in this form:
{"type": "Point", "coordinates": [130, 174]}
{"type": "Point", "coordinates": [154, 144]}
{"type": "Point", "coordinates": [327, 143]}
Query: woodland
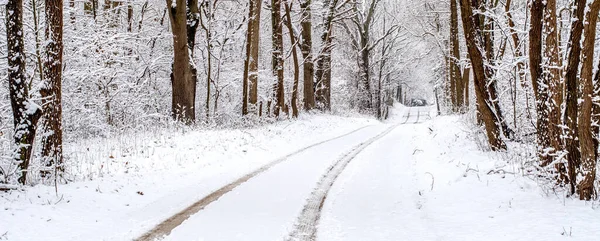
{"type": "Point", "coordinates": [524, 72]}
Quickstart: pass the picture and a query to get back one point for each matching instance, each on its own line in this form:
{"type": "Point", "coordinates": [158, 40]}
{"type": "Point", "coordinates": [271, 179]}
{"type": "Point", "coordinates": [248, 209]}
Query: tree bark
{"type": "Point", "coordinates": [571, 84]}
{"type": "Point", "coordinates": [25, 113]}
{"type": "Point", "coordinates": [277, 56]}
{"type": "Point", "coordinates": [553, 77]}
{"type": "Point", "coordinates": [51, 90]}
{"type": "Point", "coordinates": [306, 48]}
{"type": "Point", "coordinates": [183, 76]}
{"type": "Point", "coordinates": [323, 73]}
{"type": "Point", "coordinates": [466, 80]}
{"type": "Point", "coordinates": [539, 82]}
{"type": "Point", "coordinates": [253, 61]}
{"type": "Point", "coordinates": [245, 78]}
{"type": "Point", "coordinates": [294, 43]}
{"type": "Point", "coordinates": [481, 72]}
{"type": "Point", "coordinates": [587, 171]}
{"type": "Point", "coordinates": [456, 82]}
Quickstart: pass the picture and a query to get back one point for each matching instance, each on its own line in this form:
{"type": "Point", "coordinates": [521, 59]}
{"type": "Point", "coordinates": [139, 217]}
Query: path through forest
{"type": "Point", "coordinates": [285, 200]}
{"type": "Point", "coordinates": [402, 180]}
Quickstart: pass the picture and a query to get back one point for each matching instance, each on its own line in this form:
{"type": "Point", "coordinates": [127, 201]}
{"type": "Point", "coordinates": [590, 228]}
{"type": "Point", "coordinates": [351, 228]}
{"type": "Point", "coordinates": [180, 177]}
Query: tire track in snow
{"type": "Point", "coordinates": [407, 116]}
{"type": "Point", "coordinates": [164, 228]}
{"type": "Point", "coordinates": [305, 228]}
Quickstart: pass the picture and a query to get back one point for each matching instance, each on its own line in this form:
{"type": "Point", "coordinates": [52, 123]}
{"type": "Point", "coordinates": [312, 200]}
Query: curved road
{"type": "Point", "coordinates": [286, 199]}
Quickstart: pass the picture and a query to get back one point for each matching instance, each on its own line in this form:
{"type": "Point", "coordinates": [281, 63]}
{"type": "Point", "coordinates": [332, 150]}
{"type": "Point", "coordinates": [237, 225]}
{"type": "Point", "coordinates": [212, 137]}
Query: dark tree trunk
{"type": "Point", "coordinates": [587, 170]}
{"type": "Point", "coordinates": [183, 77]}
{"type": "Point", "coordinates": [277, 56]}
{"type": "Point", "coordinates": [571, 84]}
{"type": "Point", "coordinates": [25, 112]}
{"type": "Point", "coordinates": [553, 78]}
{"type": "Point", "coordinates": [456, 82]}
{"type": "Point", "coordinates": [306, 47]}
{"type": "Point", "coordinates": [481, 72]}
{"type": "Point", "coordinates": [51, 90]}
{"type": "Point", "coordinates": [540, 84]}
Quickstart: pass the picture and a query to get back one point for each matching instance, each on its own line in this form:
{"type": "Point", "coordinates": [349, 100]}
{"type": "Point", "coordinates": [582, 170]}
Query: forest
{"type": "Point", "coordinates": [299, 120]}
{"type": "Point", "coordinates": [83, 69]}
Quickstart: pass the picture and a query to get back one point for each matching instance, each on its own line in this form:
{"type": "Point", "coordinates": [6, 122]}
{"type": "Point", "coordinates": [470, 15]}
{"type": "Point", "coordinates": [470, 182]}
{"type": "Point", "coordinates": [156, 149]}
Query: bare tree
{"type": "Point", "coordinates": [51, 91]}
{"type": "Point", "coordinates": [250, 78]}
{"type": "Point", "coordinates": [25, 112]}
{"type": "Point", "coordinates": [183, 76]}
{"type": "Point", "coordinates": [277, 56]}
{"type": "Point", "coordinates": [294, 43]}
{"type": "Point", "coordinates": [554, 77]}
{"type": "Point", "coordinates": [482, 73]}
{"type": "Point", "coordinates": [323, 73]}
{"type": "Point", "coordinates": [306, 47]}
{"type": "Point", "coordinates": [587, 171]}
{"type": "Point", "coordinates": [539, 83]}
{"type": "Point", "coordinates": [571, 85]}
{"type": "Point", "coordinates": [455, 75]}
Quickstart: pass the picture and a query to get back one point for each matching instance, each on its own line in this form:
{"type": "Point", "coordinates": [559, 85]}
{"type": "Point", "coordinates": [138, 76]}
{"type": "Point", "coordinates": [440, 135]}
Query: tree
{"type": "Point", "coordinates": [323, 73]}
{"type": "Point", "coordinates": [553, 78]}
{"type": "Point", "coordinates": [306, 48]}
{"type": "Point", "coordinates": [51, 91]}
{"type": "Point", "coordinates": [183, 75]}
{"type": "Point", "coordinates": [571, 85]}
{"type": "Point", "coordinates": [539, 83]}
{"type": "Point", "coordinates": [25, 112]}
{"type": "Point", "coordinates": [586, 173]}
{"type": "Point", "coordinates": [250, 79]}
{"type": "Point", "coordinates": [277, 56]}
{"type": "Point", "coordinates": [294, 43]}
{"type": "Point", "coordinates": [456, 80]}
{"type": "Point", "coordinates": [363, 21]}
{"type": "Point", "coordinates": [482, 73]}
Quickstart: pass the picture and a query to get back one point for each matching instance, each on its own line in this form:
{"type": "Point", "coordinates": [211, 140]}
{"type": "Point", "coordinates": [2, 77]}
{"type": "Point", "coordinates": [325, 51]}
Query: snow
{"type": "Point", "coordinates": [265, 207]}
{"type": "Point", "coordinates": [430, 182]}
{"type": "Point", "coordinates": [427, 181]}
{"type": "Point", "coordinates": [139, 180]}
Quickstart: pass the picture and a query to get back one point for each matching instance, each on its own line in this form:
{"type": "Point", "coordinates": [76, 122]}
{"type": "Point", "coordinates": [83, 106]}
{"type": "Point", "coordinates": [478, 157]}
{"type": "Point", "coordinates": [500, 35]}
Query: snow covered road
{"type": "Point", "coordinates": [406, 179]}
{"type": "Point", "coordinates": [267, 206]}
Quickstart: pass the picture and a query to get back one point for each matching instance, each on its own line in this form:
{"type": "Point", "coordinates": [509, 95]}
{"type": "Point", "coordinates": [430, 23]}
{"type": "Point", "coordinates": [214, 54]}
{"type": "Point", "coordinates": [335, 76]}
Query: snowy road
{"type": "Point", "coordinates": [405, 179]}
{"type": "Point", "coordinates": [269, 205]}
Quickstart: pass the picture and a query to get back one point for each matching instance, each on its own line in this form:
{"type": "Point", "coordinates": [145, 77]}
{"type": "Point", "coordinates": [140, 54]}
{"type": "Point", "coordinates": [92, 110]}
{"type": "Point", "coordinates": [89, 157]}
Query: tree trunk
{"type": "Point", "coordinates": [540, 84]}
{"type": "Point", "coordinates": [323, 74]}
{"type": "Point", "coordinates": [51, 90]}
{"type": "Point", "coordinates": [571, 83]}
{"type": "Point", "coordinates": [365, 94]}
{"type": "Point", "coordinates": [193, 20]}
{"type": "Point", "coordinates": [553, 76]}
{"type": "Point", "coordinates": [183, 77]}
{"type": "Point", "coordinates": [254, 46]}
{"type": "Point", "coordinates": [520, 66]}
{"type": "Point", "coordinates": [465, 81]}
{"type": "Point", "coordinates": [129, 17]}
{"type": "Point", "coordinates": [90, 6]}
{"type": "Point", "coordinates": [277, 56]}
{"type": "Point", "coordinates": [25, 112]}
{"type": "Point", "coordinates": [586, 173]}
{"type": "Point", "coordinates": [481, 72]}
{"type": "Point", "coordinates": [249, 38]}
{"type": "Point", "coordinates": [456, 82]}
{"type": "Point", "coordinates": [294, 43]}
{"type": "Point", "coordinates": [306, 47]}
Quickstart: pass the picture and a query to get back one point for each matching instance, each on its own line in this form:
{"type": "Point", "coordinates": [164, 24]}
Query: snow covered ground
{"type": "Point", "coordinates": [138, 181]}
{"type": "Point", "coordinates": [430, 182]}
{"type": "Point", "coordinates": [425, 181]}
